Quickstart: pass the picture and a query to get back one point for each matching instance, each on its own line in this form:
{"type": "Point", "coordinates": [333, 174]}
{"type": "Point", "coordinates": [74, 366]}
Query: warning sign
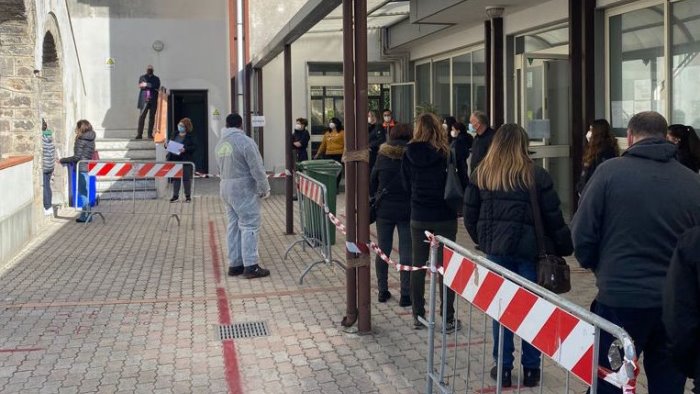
{"type": "Point", "coordinates": [216, 114]}
{"type": "Point", "coordinates": [110, 63]}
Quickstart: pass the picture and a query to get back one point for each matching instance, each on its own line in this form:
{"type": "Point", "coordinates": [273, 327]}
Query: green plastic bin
{"type": "Point", "coordinates": [326, 172]}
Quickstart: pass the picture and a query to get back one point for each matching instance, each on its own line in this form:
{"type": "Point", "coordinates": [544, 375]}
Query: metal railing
{"type": "Point", "coordinates": [315, 226]}
{"type": "Point", "coordinates": [567, 334]}
{"type": "Point", "coordinates": [130, 187]}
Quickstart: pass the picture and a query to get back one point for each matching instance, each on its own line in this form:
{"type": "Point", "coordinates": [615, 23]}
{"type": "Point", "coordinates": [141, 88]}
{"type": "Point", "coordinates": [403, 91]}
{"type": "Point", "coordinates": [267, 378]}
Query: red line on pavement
{"type": "Point", "coordinates": [33, 349]}
{"type": "Point", "coordinates": [233, 377]}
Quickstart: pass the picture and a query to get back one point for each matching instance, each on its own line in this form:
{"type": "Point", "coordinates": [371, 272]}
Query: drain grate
{"type": "Point", "coordinates": [243, 330]}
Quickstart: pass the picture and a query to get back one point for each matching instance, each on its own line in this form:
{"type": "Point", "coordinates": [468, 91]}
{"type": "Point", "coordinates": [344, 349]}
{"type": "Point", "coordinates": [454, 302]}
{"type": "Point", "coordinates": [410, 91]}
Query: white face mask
{"type": "Point", "coordinates": [332, 126]}
{"type": "Point", "coordinates": [589, 135]}
{"type": "Point", "coordinates": [444, 126]}
{"type": "Point", "coordinates": [370, 120]}
{"type": "Point", "coordinates": [454, 133]}
{"type": "Point", "coordinates": [387, 118]}
{"type": "Point", "coordinates": [472, 129]}
{"type": "Point", "coordinates": [299, 127]}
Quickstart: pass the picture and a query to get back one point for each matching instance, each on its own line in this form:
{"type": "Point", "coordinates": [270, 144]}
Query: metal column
{"type": "Point", "coordinates": [288, 158]}
{"type": "Point", "coordinates": [497, 94]}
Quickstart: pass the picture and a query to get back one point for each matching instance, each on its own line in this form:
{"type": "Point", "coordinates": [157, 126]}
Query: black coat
{"type": "Point", "coordinates": [395, 203]}
{"type": "Point", "coordinates": [481, 146]}
{"type": "Point", "coordinates": [607, 153]}
{"type": "Point", "coordinates": [689, 161]}
{"type": "Point", "coordinates": [303, 137]}
{"type": "Point", "coordinates": [629, 219]}
{"type": "Point", "coordinates": [190, 147]}
{"type": "Point", "coordinates": [424, 172]}
{"type": "Point", "coordinates": [681, 308]}
{"type": "Point", "coordinates": [461, 146]}
{"type": "Point", "coordinates": [377, 136]}
{"type": "Point", "coordinates": [83, 149]}
{"type": "Point", "coordinates": [501, 223]}
{"type": "Point", "coordinates": [154, 81]}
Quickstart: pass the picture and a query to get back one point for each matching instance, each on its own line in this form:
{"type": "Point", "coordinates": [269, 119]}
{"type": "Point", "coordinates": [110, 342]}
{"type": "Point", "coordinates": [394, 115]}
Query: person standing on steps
{"type": "Point", "coordinates": [243, 184]}
{"type": "Point", "coordinates": [149, 84]}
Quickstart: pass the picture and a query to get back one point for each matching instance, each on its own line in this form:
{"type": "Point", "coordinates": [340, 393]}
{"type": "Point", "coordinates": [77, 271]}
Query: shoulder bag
{"type": "Point", "coordinates": [376, 199]}
{"type": "Point", "coordinates": [552, 271]}
{"type": "Point", "coordinates": [454, 194]}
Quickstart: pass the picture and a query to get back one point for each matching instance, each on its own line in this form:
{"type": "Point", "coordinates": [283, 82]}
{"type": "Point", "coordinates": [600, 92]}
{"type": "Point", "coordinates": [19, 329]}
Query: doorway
{"type": "Point", "coordinates": [543, 108]}
{"type": "Point", "coordinates": [192, 104]}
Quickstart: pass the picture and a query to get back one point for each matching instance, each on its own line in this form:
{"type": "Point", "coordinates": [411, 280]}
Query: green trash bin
{"type": "Point", "coordinates": [326, 172]}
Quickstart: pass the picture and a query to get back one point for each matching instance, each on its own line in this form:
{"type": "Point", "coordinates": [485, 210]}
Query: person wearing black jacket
{"type": "Point", "coordinates": [688, 143]}
{"type": "Point", "coordinates": [300, 140]}
{"type": "Point", "coordinates": [393, 210]}
{"type": "Point", "coordinates": [424, 173]}
{"type": "Point", "coordinates": [83, 149]}
{"type": "Point", "coordinates": [184, 137]}
{"type": "Point", "coordinates": [629, 219]}
{"type": "Point", "coordinates": [498, 216]}
{"type": "Point", "coordinates": [479, 124]}
{"type": "Point", "coordinates": [149, 85]}
{"type": "Point", "coordinates": [377, 136]}
{"type": "Point", "coordinates": [461, 144]}
{"type": "Point", "coordinates": [601, 146]}
{"type": "Point", "coordinates": [681, 308]}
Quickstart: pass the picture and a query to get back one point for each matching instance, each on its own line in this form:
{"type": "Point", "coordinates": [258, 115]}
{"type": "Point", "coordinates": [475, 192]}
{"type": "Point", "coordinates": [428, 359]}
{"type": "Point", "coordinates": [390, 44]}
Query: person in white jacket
{"type": "Point", "coordinates": [243, 184]}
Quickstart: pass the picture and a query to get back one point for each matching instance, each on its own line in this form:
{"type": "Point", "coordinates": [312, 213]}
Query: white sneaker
{"type": "Point", "coordinates": [48, 212]}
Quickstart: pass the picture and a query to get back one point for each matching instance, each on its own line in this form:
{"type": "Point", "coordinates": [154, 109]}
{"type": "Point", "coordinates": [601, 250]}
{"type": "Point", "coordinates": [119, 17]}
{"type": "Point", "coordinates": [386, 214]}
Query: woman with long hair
{"type": "Point", "coordinates": [83, 149]}
{"type": "Point", "coordinates": [601, 146]}
{"type": "Point", "coordinates": [424, 173]}
{"type": "Point", "coordinates": [184, 137]}
{"type": "Point", "coordinates": [688, 145]}
{"type": "Point", "coordinates": [498, 216]}
{"type": "Point", "coordinates": [393, 211]}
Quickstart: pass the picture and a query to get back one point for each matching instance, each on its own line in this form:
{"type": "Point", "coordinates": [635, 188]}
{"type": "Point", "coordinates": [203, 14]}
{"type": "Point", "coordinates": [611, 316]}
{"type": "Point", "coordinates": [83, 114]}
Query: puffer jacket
{"type": "Point", "coordinates": [48, 154]}
{"type": "Point", "coordinates": [424, 172]}
{"type": "Point", "coordinates": [501, 223]}
{"type": "Point", "coordinates": [377, 136]}
{"type": "Point", "coordinates": [83, 149]}
{"type": "Point", "coordinates": [395, 203]}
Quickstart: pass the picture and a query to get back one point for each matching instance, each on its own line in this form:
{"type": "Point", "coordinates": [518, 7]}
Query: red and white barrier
{"type": "Point", "coordinates": [311, 190]}
{"type": "Point", "coordinates": [137, 170]}
{"type": "Point", "coordinates": [109, 169]}
{"type": "Point", "coordinates": [159, 170]}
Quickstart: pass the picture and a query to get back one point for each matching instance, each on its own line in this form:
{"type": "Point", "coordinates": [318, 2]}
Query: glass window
{"type": "Point", "coordinates": [479, 80]}
{"type": "Point", "coordinates": [686, 63]}
{"type": "Point", "coordinates": [423, 85]}
{"type": "Point", "coordinates": [636, 65]}
{"type": "Point", "coordinates": [441, 87]}
{"type": "Point", "coordinates": [462, 86]}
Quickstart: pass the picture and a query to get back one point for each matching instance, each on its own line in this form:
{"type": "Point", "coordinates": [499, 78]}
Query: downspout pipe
{"type": "Point", "coordinates": [240, 63]}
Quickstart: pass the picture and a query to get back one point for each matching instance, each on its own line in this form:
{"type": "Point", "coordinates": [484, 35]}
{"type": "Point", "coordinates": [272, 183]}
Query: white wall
{"type": "Point", "coordinates": [20, 177]}
{"type": "Point", "coordinates": [312, 47]}
{"type": "Point", "coordinates": [195, 57]}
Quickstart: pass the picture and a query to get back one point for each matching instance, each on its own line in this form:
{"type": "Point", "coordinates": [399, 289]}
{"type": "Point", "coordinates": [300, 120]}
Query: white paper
{"type": "Point", "coordinates": [174, 147]}
{"type": "Point", "coordinates": [257, 121]}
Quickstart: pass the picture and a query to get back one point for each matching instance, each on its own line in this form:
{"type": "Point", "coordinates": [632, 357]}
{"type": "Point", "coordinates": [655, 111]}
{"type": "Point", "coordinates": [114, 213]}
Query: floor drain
{"type": "Point", "coordinates": [243, 330]}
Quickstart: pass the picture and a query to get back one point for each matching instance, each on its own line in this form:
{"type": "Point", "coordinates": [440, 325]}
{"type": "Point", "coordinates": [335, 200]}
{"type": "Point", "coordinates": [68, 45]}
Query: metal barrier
{"type": "Point", "coordinates": [313, 221]}
{"type": "Point", "coordinates": [566, 333]}
{"type": "Point", "coordinates": [121, 183]}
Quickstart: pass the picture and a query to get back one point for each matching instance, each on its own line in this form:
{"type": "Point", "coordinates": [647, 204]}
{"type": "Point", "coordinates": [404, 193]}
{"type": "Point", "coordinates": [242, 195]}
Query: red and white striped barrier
{"type": "Point", "coordinates": [137, 170]}
{"type": "Point", "coordinates": [311, 190]}
{"type": "Point", "coordinates": [282, 174]}
{"type": "Point", "coordinates": [563, 337]}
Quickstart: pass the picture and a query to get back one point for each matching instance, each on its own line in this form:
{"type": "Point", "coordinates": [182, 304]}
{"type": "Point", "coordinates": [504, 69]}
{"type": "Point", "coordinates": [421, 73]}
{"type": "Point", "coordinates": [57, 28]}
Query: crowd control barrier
{"type": "Point", "coordinates": [128, 187]}
{"type": "Point", "coordinates": [566, 334]}
{"type": "Point", "coordinates": [314, 222]}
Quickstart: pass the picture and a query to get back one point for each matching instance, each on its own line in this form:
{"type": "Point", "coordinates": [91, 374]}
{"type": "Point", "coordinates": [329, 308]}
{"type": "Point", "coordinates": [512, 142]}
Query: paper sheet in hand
{"type": "Point", "coordinates": [174, 147]}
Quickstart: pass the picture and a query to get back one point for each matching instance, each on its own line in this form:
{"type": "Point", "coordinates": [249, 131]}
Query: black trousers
{"type": "Point", "coordinates": [47, 189]}
{"type": "Point", "coordinates": [186, 179]}
{"type": "Point", "coordinates": [150, 109]}
{"type": "Point", "coordinates": [421, 255]}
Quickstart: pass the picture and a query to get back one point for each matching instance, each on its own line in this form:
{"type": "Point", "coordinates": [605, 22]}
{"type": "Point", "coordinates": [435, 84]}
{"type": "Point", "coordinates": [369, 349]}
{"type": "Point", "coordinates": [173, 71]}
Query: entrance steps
{"type": "Point", "coordinates": [125, 188]}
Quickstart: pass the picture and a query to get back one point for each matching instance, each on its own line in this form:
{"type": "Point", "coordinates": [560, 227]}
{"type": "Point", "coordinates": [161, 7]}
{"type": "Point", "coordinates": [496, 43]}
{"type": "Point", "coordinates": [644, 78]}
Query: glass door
{"type": "Point", "coordinates": [403, 101]}
{"type": "Point", "coordinates": [543, 109]}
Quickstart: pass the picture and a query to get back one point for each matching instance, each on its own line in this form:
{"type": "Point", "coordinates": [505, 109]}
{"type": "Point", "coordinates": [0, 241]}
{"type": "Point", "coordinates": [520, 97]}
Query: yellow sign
{"type": "Point", "coordinates": [216, 112]}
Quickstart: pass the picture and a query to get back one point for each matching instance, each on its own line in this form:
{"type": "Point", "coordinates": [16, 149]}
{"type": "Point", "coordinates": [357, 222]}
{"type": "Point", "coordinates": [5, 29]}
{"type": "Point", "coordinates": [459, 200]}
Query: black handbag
{"type": "Point", "coordinates": [376, 200]}
{"type": "Point", "coordinates": [454, 194]}
{"type": "Point", "coordinates": [552, 271]}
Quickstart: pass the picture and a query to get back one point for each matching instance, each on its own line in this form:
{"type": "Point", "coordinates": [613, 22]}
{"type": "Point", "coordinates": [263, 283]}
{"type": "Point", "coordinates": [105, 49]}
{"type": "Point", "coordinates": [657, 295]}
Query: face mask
{"type": "Point", "coordinates": [47, 133]}
{"type": "Point", "coordinates": [299, 127]}
{"type": "Point", "coordinates": [332, 126]}
{"type": "Point", "coordinates": [370, 120]}
{"type": "Point", "coordinates": [149, 71]}
{"type": "Point", "coordinates": [181, 129]}
{"type": "Point", "coordinates": [387, 118]}
{"type": "Point", "coordinates": [454, 133]}
{"type": "Point", "coordinates": [588, 136]}
{"type": "Point", "coordinates": [444, 126]}
{"type": "Point", "coordinates": [471, 128]}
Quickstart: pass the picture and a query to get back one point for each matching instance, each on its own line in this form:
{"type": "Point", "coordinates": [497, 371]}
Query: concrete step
{"type": "Point", "coordinates": [127, 154]}
{"type": "Point", "coordinates": [124, 144]}
{"type": "Point", "coordinates": [112, 184]}
{"type": "Point", "coordinates": [128, 195]}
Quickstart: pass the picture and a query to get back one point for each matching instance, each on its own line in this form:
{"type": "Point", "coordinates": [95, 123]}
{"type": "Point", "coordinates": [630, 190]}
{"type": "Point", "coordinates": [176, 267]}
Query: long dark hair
{"type": "Point", "coordinates": [688, 145]}
{"type": "Point", "coordinates": [601, 138]}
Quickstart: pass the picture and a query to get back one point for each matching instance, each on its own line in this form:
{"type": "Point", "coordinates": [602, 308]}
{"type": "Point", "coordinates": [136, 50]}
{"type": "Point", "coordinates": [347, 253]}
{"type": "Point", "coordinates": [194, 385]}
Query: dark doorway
{"type": "Point", "coordinates": [192, 104]}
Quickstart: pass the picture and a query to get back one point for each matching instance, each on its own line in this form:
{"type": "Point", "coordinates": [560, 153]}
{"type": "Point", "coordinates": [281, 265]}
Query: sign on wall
{"type": "Point", "coordinates": [257, 121]}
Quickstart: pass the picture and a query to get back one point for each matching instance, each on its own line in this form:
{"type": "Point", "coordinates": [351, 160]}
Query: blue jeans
{"type": "Point", "coordinates": [47, 189]}
{"type": "Point", "coordinates": [531, 356]}
{"type": "Point", "coordinates": [243, 211]}
{"type": "Point", "coordinates": [385, 238]}
{"type": "Point", "coordinates": [645, 327]}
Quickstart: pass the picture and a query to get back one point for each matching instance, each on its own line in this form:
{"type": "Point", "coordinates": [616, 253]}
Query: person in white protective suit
{"type": "Point", "coordinates": [243, 184]}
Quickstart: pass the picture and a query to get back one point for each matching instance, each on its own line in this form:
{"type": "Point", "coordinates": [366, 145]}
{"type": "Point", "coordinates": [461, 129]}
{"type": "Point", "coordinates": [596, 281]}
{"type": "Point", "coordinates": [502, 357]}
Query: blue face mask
{"type": "Point", "coordinates": [471, 128]}
{"type": "Point", "coordinates": [181, 129]}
